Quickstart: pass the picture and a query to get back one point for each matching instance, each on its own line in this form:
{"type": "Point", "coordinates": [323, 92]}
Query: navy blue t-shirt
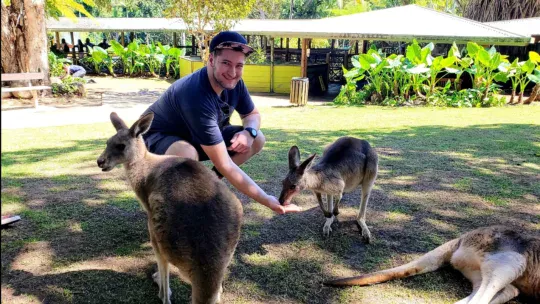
{"type": "Point", "coordinates": [192, 110]}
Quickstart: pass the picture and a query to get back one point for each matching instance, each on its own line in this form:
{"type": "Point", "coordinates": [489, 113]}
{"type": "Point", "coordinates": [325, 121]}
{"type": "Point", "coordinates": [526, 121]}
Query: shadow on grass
{"type": "Point", "coordinates": [434, 184]}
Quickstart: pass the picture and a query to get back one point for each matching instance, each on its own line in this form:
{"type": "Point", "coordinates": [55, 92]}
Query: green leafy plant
{"type": "Point", "coordinates": [69, 86]}
{"type": "Point", "coordinates": [56, 64]}
{"type": "Point", "coordinates": [485, 67]}
{"type": "Point", "coordinates": [257, 57]}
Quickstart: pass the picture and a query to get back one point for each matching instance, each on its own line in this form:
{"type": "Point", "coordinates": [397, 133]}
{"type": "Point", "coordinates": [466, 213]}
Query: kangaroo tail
{"type": "Point", "coordinates": [430, 261]}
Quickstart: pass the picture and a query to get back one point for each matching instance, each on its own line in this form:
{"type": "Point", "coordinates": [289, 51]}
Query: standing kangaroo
{"type": "Point", "coordinates": [194, 220]}
{"type": "Point", "coordinates": [345, 165]}
{"type": "Point", "coordinates": [499, 261]}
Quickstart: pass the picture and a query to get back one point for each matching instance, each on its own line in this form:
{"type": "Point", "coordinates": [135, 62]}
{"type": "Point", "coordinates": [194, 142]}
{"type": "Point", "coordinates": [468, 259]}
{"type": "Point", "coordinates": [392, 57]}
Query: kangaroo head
{"type": "Point", "coordinates": [292, 184]}
{"type": "Point", "coordinates": [123, 146]}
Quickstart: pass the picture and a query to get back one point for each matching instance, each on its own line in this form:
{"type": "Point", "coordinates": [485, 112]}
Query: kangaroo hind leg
{"type": "Point", "coordinates": [361, 220]}
{"type": "Point", "coordinates": [499, 270]}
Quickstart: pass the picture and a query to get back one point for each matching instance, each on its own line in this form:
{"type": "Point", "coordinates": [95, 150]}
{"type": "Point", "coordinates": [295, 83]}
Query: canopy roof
{"type": "Point", "coordinates": [525, 27]}
{"type": "Point", "coordinates": [403, 23]}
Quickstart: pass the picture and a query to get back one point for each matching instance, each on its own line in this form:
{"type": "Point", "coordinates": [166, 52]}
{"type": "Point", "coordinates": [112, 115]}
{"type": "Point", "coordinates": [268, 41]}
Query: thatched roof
{"type": "Point", "coordinates": [495, 10]}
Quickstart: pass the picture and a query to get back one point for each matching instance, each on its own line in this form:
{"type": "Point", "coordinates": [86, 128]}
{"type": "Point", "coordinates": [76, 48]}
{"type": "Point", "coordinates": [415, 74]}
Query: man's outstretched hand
{"type": "Point", "coordinates": [279, 209]}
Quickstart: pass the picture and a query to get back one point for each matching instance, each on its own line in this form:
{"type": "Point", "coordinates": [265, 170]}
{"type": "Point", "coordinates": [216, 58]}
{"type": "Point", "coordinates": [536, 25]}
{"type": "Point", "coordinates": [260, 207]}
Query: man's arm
{"type": "Point", "coordinates": [242, 141]}
{"type": "Point", "coordinates": [241, 181]}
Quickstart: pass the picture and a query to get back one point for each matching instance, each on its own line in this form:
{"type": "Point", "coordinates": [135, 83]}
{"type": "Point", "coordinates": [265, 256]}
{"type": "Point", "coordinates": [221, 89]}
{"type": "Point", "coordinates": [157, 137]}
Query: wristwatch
{"type": "Point", "coordinates": [251, 132]}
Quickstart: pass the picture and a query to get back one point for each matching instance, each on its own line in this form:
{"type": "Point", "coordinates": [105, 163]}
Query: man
{"type": "Point", "coordinates": [191, 119]}
{"type": "Point", "coordinates": [74, 70]}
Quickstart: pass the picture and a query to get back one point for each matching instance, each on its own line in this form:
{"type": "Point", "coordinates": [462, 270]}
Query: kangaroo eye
{"type": "Point", "coordinates": [292, 187]}
{"type": "Point", "coordinates": [120, 147]}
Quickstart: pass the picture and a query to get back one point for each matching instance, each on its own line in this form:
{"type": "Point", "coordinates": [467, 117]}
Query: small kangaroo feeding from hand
{"type": "Point", "coordinates": [194, 220]}
{"type": "Point", "coordinates": [345, 165]}
{"type": "Point", "coordinates": [499, 261]}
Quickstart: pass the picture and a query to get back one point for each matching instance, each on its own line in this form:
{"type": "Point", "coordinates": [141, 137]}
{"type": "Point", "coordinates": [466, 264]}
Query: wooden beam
{"type": "Point", "coordinates": [303, 60]}
{"type": "Point", "coordinates": [287, 51]}
{"type": "Point", "coordinates": [280, 43]}
{"type": "Point", "coordinates": [73, 48]}
{"type": "Point", "coordinates": [356, 47]}
{"type": "Point", "coordinates": [299, 43]}
{"type": "Point", "coordinates": [364, 46]}
{"type": "Point", "coordinates": [175, 39]}
{"type": "Point", "coordinates": [123, 39]}
{"type": "Point", "coordinates": [271, 64]}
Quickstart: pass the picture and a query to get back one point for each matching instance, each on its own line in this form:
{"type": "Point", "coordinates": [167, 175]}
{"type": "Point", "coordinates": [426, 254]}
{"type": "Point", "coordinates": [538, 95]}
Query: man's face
{"type": "Point", "coordinates": [227, 68]}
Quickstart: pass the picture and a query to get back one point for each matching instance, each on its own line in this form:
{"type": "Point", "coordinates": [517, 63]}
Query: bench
{"type": "Point", "coordinates": [23, 77]}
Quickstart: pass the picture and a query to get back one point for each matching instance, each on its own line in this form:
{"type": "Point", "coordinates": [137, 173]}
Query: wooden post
{"type": "Point", "coordinates": [287, 51]}
{"type": "Point", "coordinates": [356, 47]}
{"type": "Point", "coordinates": [281, 42]}
{"type": "Point", "coordinates": [193, 48]}
{"type": "Point", "coordinates": [333, 45]}
{"type": "Point", "coordinates": [364, 46]}
{"type": "Point", "coordinates": [263, 46]}
{"type": "Point", "coordinates": [57, 40]}
{"type": "Point", "coordinates": [271, 64]}
{"type": "Point", "coordinates": [247, 38]}
{"type": "Point", "coordinates": [299, 43]}
{"type": "Point", "coordinates": [174, 39]}
{"type": "Point", "coordinates": [123, 39]}
{"type": "Point", "coordinates": [303, 60]}
{"type": "Point", "coordinates": [73, 48]}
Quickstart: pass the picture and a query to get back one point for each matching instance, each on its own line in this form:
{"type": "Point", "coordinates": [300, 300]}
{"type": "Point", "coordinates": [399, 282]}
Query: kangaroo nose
{"type": "Point", "coordinates": [100, 162]}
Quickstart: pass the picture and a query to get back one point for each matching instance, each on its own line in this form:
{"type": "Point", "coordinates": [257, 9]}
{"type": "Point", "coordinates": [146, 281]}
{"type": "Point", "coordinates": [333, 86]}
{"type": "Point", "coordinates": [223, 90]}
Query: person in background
{"type": "Point", "coordinates": [104, 45]}
{"type": "Point", "coordinates": [74, 70]}
{"type": "Point", "coordinates": [89, 44]}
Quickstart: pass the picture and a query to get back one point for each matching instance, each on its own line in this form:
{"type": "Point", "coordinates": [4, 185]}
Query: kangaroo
{"type": "Point", "coordinates": [500, 262]}
{"type": "Point", "coordinates": [194, 219]}
{"type": "Point", "coordinates": [345, 165]}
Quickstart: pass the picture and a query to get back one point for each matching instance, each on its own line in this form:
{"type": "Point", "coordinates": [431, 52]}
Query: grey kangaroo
{"type": "Point", "coordinates": [345, 165]}
{"type": "Point", "coordinates": [194, 220]}
{"type": "Point", "coordinates": [499, 261]}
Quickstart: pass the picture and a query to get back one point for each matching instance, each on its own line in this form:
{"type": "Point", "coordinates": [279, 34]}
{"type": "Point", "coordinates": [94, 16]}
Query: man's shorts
{"type": "Point", "coordinates": [158, 142]}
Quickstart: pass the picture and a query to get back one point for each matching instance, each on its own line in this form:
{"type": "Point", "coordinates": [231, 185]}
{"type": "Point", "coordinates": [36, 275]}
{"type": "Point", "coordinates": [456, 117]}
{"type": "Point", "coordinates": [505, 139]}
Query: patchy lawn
{"type": "Point", "coordinates": [83, 238]}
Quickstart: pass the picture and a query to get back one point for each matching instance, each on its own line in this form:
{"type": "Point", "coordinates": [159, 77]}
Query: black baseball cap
{"type": "Point", "coordinates": [228, 40]}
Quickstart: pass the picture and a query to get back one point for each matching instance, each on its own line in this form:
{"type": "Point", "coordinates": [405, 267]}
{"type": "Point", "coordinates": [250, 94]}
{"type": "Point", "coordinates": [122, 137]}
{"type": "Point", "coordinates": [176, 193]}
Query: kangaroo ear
{"type": "Point", "coordinates": [294, 158]}
{"type": "Point", "coordinates": [142, 125]}
{"type": "Point", "coordinates": [117, 122]}
{"type": "Point", "coordinates": [305, 165]}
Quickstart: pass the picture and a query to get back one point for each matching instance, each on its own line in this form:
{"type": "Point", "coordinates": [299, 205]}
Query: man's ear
{"type": "Point", "coordinates": [211, 59]}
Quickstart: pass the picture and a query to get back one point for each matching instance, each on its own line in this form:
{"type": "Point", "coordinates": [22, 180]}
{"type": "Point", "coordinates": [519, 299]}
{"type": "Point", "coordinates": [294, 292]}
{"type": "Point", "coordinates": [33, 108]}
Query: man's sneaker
{"type": "Point", "coordinates": [9, 219]}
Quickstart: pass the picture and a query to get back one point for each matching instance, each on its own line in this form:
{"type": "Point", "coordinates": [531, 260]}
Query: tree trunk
{"type": "Point", "coordinates": [24, 40]}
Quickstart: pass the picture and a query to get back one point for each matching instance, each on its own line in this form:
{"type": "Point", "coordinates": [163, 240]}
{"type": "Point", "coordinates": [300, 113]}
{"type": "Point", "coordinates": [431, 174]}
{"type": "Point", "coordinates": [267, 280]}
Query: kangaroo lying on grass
{"type": "Point", "coordinates": [500, 262]}
{"type": "Point", "coordinates": [345, 165]}
{"type": "Point", "coordinates": [193, 218]}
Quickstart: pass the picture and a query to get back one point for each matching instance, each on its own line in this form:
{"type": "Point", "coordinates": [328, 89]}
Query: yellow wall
{"type": "Point", "coordinates": [256, 77]}
{"type": "Point", "coordinates": [283, 75]}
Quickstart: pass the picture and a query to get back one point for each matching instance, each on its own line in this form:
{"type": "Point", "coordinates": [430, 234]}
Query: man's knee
{"type": "Point", "coordinates": [183, 149]}
{"type": "Point", "coordinates": [259, 142]}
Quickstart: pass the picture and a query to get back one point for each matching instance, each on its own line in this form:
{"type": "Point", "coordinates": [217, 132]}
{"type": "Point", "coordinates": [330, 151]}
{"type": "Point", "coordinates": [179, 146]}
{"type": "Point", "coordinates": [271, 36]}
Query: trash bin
{"type": "Point", "coordinates": [299, 90]}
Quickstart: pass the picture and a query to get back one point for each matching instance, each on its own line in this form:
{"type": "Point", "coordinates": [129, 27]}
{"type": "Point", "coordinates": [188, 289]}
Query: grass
{"type": "Point", "coordinates": [83, 235]}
